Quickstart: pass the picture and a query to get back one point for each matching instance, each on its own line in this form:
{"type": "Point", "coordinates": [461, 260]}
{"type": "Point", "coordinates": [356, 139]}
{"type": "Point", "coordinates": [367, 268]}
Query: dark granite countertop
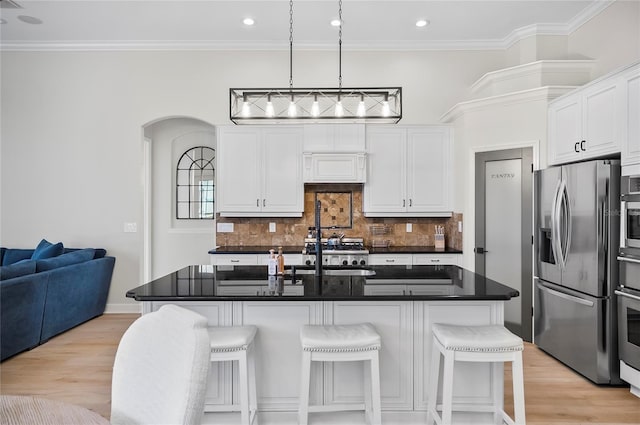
{"type": "Point", "coordinates": [293, 249]}
{"type": "Point", "coordinates": [251, 283]}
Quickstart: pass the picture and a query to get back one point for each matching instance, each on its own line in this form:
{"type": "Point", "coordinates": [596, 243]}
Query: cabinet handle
{"type": "Point", "coordinates": [404, 203]}
{"type": "Point", "coordinates": [410, 202]}
{"type": "Point", "coordinates": [582, 146]}
{"type": "Point", "coordinates": [435, 260]}
{"type": "Point", "coordinates": [264, 202]}
{"type": "Point", "coordinates": [411, 292]}
{"type": "Point", "coordinates": [235, 261]}
{"type": "Point", "coordinates": [404, 292]}
{"type": "Point", "coordinates": [575, 147]}
{"type": "Point", "coordinates": [390, 260]}
{"type": "Point", "coordinates": [257, 202]}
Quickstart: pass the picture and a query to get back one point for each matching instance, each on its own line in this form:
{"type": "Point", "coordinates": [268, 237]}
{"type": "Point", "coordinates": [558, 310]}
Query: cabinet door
{"type": "Point", "coordinates": [435, 259]}
{"type": "Point", "coordinates": [349, 138]}
{"type": "Point", "coordinates": [630, 95]}
{"type": "Point", "coordinates": [428, 170]}
{"type": "Point", "coordinates": [239, 170]}
{"type": "Point", "coordinates": [390, 259]}
{"type": "Point", "coordinates": [600, 115]}
{"type": "Point", "coordinates": [282, 190]}
{"type": "Point", "coordinates": [565, 129]}
{"type": "Point", "coordinates": [343, 381]}
{"type": "Point", "coordinates": [471, 381]}
{"type": "Point", "coordinates": [385, 189]}
{"type": "Point", "coordinates": [278, 350]}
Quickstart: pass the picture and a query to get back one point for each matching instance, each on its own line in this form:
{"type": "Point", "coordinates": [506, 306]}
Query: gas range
{"type": "Point", "coordinates": [350, 252]}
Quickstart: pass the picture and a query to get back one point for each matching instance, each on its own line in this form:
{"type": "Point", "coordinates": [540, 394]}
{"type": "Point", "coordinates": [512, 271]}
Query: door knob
{"type": "Point", "coordinates": [479, 250]}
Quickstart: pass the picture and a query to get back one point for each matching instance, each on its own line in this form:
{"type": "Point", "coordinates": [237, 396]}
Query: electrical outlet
{"type": "Point", "coordinates": [224, 227]}
{"type": "Point", "coordinates": [459, 227]}
{"type": "Point", "coordinates": [272, 227]}
{"type": "Point", "coordinates": [409, 227]}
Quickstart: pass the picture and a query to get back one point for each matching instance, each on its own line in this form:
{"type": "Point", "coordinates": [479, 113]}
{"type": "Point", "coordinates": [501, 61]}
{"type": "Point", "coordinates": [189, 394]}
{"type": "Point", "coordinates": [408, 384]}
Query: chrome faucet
{"type": "Point", "coordinates": [318, 273]}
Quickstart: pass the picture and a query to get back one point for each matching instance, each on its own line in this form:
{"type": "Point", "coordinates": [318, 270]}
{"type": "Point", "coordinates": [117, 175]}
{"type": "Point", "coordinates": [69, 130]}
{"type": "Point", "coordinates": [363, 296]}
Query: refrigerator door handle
{"type": "Point", "coordinates": [555, 226]}
{"type": "Point", "coordinates": [568, 223]}
{"type": "Point", "coordinates": [571, 298]}
{"type": "Point", "coordinates": [623, 224]}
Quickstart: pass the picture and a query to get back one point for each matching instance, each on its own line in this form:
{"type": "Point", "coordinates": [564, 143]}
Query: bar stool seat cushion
{"type": "Point", "coordinates": [231, 338]}
{"type": "Point", "coordinates": [491, 338]}
{"type": "Point", "coordinates": [340, 338]}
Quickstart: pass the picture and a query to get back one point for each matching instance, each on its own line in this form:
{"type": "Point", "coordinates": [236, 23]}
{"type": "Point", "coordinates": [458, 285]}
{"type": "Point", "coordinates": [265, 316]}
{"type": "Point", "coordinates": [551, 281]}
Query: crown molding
{"type": "Point", "coordinates": [547, 93]}
{"type": "Point", "coordinates": [587, 14]}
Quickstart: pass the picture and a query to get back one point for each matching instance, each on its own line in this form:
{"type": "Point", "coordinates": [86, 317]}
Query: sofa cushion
{"type": "Point", "coordinates": [74, 257]}
{"type": "Point", "coordinates": [46, 249]}
{"type": "Point", "coordinates": [99, 252]}
{"type": "Point", "coordinates": [20, 268]}
{"type": "Point", "coordinates": [13, 255]}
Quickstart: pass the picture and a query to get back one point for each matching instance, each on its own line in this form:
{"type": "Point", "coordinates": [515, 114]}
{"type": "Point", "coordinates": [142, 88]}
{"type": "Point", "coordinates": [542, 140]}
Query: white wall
{"type": "Point", "coordinates": [72, 127]}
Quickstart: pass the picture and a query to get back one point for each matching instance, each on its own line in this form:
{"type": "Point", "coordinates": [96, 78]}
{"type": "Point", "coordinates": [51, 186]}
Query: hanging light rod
{"type": "Point", "coordinates": [371, 104]}
{"type": "Point", "coordinates": [288, 105]}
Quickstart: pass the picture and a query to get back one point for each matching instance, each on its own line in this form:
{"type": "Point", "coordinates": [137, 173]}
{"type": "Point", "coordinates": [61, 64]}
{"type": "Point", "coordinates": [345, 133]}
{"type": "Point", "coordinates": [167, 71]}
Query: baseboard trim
{"type": "Point", "coordinates": [123, 308]}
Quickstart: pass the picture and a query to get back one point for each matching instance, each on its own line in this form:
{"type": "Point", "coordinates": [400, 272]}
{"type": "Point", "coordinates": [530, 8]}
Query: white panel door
{"type": "Point", "coordinates": [565, 129]}
{"type": "Point", "coordinates": [600, 119]}
{"type": "Point", "coordinates": [471, 383]}
{"type": "Point", "coordinates": [503, 231]}
{"type": "Point", "coordinates": [278, 350]}
{"type": "Point", "coordinates": [385, 189]}
{"type": "Point", "coordinates": [239, 170]}
{"type": "Point", "coordinates": [393, 321]}
{"type": "Point", "coordinates": [282, 190]}
{"type": "Point", "coordinates": [428, 165]}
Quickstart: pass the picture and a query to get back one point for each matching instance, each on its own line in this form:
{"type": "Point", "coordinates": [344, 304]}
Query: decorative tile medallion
{"type": "Point", "coordinates": [336, 209]}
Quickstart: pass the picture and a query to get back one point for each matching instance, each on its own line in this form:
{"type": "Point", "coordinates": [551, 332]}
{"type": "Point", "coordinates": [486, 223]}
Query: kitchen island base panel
{"type": "Point", "coordinates": [405, 328]}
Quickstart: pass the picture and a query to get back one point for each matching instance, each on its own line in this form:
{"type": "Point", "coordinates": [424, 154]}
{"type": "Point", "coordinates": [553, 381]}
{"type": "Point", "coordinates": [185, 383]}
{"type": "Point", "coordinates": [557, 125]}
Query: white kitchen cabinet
{"type": "Point", "coordinates": [630, 94]}
{"type": "Point", "coordinates": [343, 381]}
{"type": "Point", "coordinates": [334, 167]}
{"type": "Point", "coordinates": [334, 138]}
{"type": "Point", "coordinates": [436, 259]}
{"type": "Point", "coordinates": [222, 259]}
{"type": "Point", "coordinates": [260, 171]}
{"type": "Point", "coordinates": [409, 171]}
{"type": "Point", "coordinates": [585, 123]}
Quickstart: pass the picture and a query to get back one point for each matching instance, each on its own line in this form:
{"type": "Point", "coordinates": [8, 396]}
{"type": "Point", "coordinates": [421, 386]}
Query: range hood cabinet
{"type": "Point", "coordinates": [334, 167]}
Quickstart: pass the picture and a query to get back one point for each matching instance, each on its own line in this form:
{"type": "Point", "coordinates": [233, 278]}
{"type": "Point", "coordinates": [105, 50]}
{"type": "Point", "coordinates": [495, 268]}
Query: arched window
{"type": "Point", "coordinates": [195, 182]}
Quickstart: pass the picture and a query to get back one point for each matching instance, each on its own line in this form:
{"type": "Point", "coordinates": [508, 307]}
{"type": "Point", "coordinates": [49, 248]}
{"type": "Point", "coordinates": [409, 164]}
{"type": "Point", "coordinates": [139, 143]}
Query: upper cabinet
{"type": "Point", "coordinates": [409, 171]}
{"type": "Point", "coordinates": [334, 153]}
{"type": "Point", "coordinates": [599, 119]}
{"type": "Point", "coordinates": [630, 89]}
{"type": "Point", "coordinates": [585, 123]}
{"type": "Point", "coordinates": [260, 171]}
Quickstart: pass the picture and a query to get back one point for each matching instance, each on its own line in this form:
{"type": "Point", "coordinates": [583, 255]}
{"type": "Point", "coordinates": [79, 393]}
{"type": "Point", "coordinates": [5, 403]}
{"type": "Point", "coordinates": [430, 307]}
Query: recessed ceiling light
{"type": "Point", "coordinates": [335, 23]}
{"type": "Point", "coordinates": [248, 21]}
{"type": "Point", "coordinates": [29, 20]}
{"type": "Point", "coordinates": [422, 23]}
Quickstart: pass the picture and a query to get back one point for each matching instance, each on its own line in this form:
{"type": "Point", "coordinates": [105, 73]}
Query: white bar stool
{"type": "Point", "coordinates": [341, 343]}
{"type": "Point", "coordinates": [235, 343]}
{"type": "Point", "coordinates": [493, 343]}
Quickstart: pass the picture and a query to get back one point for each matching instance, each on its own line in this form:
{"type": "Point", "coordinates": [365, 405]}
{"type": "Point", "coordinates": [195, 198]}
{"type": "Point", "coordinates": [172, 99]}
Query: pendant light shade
{"type": "Point", "coordinates": [340, 104]}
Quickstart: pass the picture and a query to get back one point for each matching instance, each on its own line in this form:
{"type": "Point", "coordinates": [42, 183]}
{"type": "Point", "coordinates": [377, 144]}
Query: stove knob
{"type": "Point", "coordinates": [362, 262]}
{"type": "Point", "coordinates": [308, 262]}
{"type": "Point", "coordinates": [344, 262]}
{"type": "Point", "coordinates": [354, 262]}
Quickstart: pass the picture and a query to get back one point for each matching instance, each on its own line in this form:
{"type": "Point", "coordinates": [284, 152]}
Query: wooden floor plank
{"type": "Point", "coordinates": [76, 367]}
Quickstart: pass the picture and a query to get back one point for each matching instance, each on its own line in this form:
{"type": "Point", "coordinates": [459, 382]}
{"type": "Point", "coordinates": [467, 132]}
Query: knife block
{"type": "Point", "coordinates": [439, 241]}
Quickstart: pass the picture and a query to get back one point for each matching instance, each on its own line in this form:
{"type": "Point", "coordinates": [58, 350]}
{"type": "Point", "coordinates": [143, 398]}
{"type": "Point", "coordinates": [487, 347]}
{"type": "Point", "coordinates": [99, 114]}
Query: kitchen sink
{"type": "Point", "coordinates": [335, 272]}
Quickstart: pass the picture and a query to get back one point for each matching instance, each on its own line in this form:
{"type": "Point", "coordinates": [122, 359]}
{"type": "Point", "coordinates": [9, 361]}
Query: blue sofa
{"type": "Point", "coordinates": [43, 296]}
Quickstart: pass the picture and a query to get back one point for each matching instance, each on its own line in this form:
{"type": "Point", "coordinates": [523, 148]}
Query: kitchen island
{"type": "Point", "coordinates": [401, 302]}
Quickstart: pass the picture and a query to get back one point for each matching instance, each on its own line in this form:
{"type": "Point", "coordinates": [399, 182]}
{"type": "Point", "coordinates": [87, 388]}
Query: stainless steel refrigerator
{"type": "Point", "coordinates": [576, 242]}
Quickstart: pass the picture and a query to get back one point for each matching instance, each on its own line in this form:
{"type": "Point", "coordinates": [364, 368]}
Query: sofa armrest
{"type": "Point", "coordinates": [75, 294]}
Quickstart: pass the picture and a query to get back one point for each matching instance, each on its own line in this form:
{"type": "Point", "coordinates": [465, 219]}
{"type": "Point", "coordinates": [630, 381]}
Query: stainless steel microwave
{"type": "Point", "coordinates": [630, 215]}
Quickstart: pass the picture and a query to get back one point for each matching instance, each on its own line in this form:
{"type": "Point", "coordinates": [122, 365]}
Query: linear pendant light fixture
{"type": "Point", "coordinates": [306, 105]}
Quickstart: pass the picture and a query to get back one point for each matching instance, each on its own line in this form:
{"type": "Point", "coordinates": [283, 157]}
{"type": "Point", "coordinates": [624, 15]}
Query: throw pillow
{"type": "Point", "coordinates": [46, 249]}
{"type": "Point", "coordinates": [75, 257]}
{"type": "Point", "coordinates": [18, 269]}
{"type": "Point", "coordinates": [13, 255]}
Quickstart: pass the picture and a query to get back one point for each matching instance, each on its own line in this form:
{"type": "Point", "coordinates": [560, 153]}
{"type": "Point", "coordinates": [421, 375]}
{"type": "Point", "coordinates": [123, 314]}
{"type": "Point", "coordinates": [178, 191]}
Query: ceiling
{"type": "Point", "coordinates": [217, 24]}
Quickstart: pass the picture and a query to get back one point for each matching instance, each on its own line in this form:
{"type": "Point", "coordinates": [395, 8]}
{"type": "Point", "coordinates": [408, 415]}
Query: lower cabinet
{"type": "Point", "coordinates": [405, 328]}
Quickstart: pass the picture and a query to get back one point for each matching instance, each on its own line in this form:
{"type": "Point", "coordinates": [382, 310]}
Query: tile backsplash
{"type": "Point", "coordinates": [291, 231]}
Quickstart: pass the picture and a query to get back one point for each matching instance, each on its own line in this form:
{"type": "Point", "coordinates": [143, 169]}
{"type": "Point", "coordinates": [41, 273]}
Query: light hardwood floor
{"type": "Point", "coordinates": [76, 367]}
